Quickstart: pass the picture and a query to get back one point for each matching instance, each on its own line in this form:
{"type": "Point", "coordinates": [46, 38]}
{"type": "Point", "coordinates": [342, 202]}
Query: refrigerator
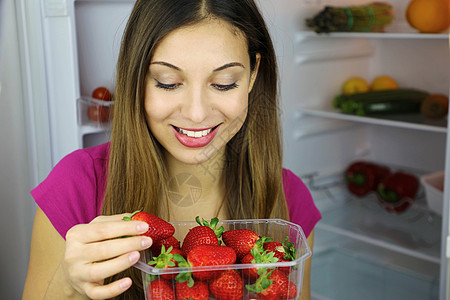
{"type": "Point", "coordinates": [361, 250]}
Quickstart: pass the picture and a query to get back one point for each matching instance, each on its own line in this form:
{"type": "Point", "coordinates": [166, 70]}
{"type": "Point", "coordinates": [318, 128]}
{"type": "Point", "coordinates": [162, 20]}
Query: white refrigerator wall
{"type": "Point", "coordinates": [15, 180]}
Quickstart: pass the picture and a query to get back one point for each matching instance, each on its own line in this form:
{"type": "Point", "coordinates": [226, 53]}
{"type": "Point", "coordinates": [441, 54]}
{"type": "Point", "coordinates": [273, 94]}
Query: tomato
{"type": "Point", "coordinates": [99, 113]}
{"type": "Point", "coordinates": [102, 93]}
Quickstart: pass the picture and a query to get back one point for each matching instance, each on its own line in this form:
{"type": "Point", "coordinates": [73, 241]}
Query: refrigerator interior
{"type": "Point", "coordinates": [359, 247]}
{"type": "Point", "coordinates": [361, 250]}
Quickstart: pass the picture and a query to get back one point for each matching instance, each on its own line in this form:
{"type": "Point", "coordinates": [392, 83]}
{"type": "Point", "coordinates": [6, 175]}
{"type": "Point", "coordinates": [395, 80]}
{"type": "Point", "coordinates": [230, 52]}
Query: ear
{"type": "Point", "coordinates": [254, 72]}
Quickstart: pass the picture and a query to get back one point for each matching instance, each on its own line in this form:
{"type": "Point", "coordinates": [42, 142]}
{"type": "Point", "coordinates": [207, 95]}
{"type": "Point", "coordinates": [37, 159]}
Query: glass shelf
{"type": "Point", "coordinates": [415, 232]}
{"type": "Point", "coordinates": [356, 270]}
{"type": "Point", "coordinates": [411, 121]}
{"type": "Point", "coordinates": [401, 31]}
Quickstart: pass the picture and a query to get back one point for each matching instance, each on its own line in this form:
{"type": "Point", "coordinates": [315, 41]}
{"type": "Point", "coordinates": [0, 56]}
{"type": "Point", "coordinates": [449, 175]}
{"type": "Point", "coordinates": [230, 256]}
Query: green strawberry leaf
{"type": "Point", "coordinates": [262, 283]}
{"type": "Point", "coordinates": [289, 249]}
{"type": "Point", "coordinates": [212, 225]}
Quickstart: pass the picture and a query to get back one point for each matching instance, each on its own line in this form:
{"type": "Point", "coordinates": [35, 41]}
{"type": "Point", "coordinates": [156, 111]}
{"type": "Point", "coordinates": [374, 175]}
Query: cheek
{"type": "Point", "coordinates": [237, 107]}
{"type": "Point", "coordinates": [156, 108]}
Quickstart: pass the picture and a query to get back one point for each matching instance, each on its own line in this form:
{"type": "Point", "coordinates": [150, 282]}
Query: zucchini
{"type": "Point", "coordinates": [381, 102]}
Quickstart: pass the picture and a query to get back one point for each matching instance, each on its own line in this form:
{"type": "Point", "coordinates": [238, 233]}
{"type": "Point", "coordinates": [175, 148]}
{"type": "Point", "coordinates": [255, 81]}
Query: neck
{"type": "Point", "coordinates": [195, 189]}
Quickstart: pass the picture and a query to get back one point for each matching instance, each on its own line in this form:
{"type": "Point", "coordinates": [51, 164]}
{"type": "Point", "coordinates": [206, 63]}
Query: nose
{"type": "Point", "coordinates": [196, 105]}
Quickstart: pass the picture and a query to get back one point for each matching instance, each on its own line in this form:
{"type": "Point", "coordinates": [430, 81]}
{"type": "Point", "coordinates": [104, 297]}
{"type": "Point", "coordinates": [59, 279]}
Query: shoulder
{"type": "Point", "coordinates": [302, 209]}
{"type": "Point", "coordinates": [73, 191]}
{"type": "Point", "coordinates": [83, 157]}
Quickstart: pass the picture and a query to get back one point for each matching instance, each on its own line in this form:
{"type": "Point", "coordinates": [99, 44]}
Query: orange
{"type": "Point", "coordinates": [428, 16]}
{"type": "Point", "coordinates": [355, 85]}
{"type": "Point", "coordinates": [383, 82]}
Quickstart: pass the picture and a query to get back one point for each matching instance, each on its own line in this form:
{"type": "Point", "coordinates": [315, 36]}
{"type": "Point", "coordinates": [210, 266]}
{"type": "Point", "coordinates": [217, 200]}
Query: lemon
{"type": "Point", "coordinates": [355, 85]}
{"type": "Point", "coordinates": [383, 82]}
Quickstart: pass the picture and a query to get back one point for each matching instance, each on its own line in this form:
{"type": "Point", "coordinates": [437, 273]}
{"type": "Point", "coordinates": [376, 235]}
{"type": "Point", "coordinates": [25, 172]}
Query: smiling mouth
{"type": "Point", "coordinates": [194, 133]}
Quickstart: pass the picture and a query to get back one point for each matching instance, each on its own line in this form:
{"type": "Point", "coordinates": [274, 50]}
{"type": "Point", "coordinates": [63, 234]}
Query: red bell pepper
{"type": "Point", "coordinates": [398, 190]}
{"type": "Point", "coordinates": [362, 177]}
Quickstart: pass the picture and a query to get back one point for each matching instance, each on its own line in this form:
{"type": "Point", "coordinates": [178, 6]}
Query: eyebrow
{"type": "Point", "coordinates": [229, 65]}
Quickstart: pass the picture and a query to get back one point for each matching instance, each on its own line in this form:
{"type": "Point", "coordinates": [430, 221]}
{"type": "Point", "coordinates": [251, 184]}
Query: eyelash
{"type": "Point", "coordinates": [220, 87]}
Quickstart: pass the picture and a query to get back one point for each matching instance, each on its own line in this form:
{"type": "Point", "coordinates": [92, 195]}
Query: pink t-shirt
{"type": "Point", "coordinates": [73, 191]}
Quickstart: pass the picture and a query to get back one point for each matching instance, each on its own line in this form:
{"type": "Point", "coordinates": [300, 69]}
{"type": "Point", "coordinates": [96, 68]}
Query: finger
{"type": "Point", "coordinates": [104, 250]}
{"type": "Point", "coordinates": [100, 231]}
{"type": "Point", "coordinates": [102, 218]}
{"type": "Point", "coordinates": [111, 290]}
{"type": "Point", "coordinates": [97, 272]}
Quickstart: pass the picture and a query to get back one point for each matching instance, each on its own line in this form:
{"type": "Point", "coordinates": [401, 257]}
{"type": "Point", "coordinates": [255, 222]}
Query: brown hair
{"type": "Point", "coordinates": [137, 178]}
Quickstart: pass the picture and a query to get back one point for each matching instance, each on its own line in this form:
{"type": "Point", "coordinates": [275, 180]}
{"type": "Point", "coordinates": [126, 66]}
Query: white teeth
{"type": "Point", "coordinates": [194, 134]}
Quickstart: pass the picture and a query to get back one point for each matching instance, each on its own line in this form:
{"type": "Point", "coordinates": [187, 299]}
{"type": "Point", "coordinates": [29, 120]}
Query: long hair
{"type": "Point", "coordinates": [137, 178]}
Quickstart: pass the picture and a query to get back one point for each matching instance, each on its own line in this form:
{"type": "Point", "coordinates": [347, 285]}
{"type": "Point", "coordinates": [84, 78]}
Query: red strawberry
{"type": "Point", "coordinates": [241, 240]}
{"type": "Point", "coordinates": [228, 286]}
{"type": "Point", "coordinates": [160, 289]}
{"type": "Point", "coordinates": [166, 259]}
{"type": "Point", "coordinates": [276, 248]}
{"type": "Point", "coordinates": [205, 234]}
{"type": "Point", "coordinates": [206, 255]}
{"type": "Point", "coordinates": [255, 257]}
{"type": "Point", "coordinates": [199, 291]}
{"type": "Point", "coordinates": [273, 285]}
{"type": "Point", "coordinates": [169, 242]}
{"type": "Point", "coordinates": [283, 251]}
{"type": "Point", "coordinates": [158, 228]}
{"type": "Point", "coordinates": [291, 292]}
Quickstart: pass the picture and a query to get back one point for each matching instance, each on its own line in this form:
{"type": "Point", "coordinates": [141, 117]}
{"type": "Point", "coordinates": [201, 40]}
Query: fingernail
{"type": "Point", "coordinates": [146, 242]}
{"type": "Point", "coordinates": [142, 227]}
{"type": "Point", "coordinates": [125, 283]}
{"type": "Point", "coordinates": [133, 257]}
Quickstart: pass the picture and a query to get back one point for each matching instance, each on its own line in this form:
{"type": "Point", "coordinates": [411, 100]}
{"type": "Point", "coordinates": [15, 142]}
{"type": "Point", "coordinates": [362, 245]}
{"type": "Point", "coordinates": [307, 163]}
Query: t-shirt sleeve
{"type": "Point", "coordinates": [68, 196]}
{"type": "Point", "coordinates": [302, 210]}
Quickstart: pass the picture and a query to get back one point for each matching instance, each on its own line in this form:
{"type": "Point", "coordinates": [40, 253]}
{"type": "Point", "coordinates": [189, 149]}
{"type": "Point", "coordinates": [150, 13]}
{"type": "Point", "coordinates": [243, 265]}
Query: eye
{"type": "Point", "coordinates": [167, 86]}
{"type": "Point", "coordinates": [225, 87]}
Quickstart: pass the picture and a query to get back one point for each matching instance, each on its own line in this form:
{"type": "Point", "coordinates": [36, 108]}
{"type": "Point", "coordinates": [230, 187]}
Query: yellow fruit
{"type": "Point", "coordinates": [428, 16]}
{"type": "Point", "coordinates": [355, 85]}
{"type": "Point", "coordinates": [383, 82]}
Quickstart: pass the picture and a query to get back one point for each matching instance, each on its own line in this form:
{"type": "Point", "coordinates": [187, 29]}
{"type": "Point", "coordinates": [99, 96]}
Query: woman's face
{"type": "Point", "coordinates": [196, 93]}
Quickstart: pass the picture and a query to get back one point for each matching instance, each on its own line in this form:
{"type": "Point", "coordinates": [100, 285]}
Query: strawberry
{"type": "Point", "coordinates": [206, 255]}
{"type": "Point", "coordinates": [227, 286]}
{"type": "Point", "coordinates": [241, 240]}
{"type": "Point", "coordinates": [255, 257]}
{"type": "Point", "coordinates": [158, 229]}
{"type": "Point", "coordinates": [160, 289]}
{"type": "Point", "coordinates": [276, 248]}
{"type": "Point", "coordinates": [165, 260]}
{"type": "Point", "coordinates": [205, 234]}
{"type": "Point", "coordinates": [273, 285]}
{"type": "Point", "coordinates": [169, 242]}
{"type": "Point", "coordinates": [199, 291]}
{"type": "Point", "coordinates": [283, 251]}
{"type": "Point", "coordinates": [291, 292]}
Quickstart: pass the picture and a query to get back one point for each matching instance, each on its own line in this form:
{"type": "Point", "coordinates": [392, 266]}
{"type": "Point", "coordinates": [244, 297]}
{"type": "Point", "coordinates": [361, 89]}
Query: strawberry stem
{"type": "Point", "coordinates": [131, 216]}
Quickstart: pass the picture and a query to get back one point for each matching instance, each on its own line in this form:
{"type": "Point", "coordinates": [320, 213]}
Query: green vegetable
{"type": "Point", "coordinates": [381, 102]}
{"type": "Point", "coordinates": [359, 18]}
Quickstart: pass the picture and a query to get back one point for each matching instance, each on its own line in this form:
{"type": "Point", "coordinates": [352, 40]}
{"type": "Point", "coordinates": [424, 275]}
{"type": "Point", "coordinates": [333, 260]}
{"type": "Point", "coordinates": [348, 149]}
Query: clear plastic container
{"type": "Point", "coordinates": [434, 190]}
{"type": "Point", "coordinates": [277, 229]}
{"type": "Point", "coordinates": [94, 112]}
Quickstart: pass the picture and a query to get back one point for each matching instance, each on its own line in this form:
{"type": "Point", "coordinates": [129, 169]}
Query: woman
{"type": "Point", "coordinates": [195, 97]}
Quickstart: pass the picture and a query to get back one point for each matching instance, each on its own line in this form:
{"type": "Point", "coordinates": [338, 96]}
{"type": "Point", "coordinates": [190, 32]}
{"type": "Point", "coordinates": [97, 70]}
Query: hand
{"type": "Point", "coordinates": [96, 251]}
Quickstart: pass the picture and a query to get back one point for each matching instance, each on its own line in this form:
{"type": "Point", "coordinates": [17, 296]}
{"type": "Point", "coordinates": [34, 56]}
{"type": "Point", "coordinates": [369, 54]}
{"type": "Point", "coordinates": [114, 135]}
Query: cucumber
{"type": "Point", "coordinates": [381, 102]}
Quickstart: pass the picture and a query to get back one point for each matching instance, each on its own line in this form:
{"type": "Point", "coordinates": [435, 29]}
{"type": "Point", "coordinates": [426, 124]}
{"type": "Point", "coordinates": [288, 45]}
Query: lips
{"type": "Point", "coordinates": [195, 138]}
